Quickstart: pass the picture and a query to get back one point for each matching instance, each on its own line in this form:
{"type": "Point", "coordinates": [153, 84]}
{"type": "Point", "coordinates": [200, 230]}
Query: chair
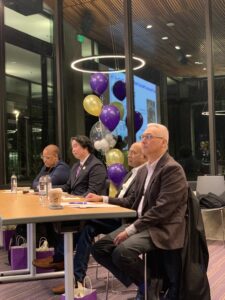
{"type": "Point", "coordinates": [214, 217]}
{"type": "Point", "coordinates": [210, 184]}
{"type": "Point", "coordinates": [164, 267]}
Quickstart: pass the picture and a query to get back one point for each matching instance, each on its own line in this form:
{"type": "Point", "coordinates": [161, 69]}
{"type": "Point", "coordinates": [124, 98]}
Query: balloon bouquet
{"type": "Point", "coordinates": [103, 133]}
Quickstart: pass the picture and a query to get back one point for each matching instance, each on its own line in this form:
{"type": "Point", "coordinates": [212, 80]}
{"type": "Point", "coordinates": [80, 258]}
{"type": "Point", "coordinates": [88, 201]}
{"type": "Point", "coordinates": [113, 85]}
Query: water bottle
{"type": "Point", "coordinates": [45, 184]}
{"type": "Point", "coordinates": [42, 190]}
{"type": "Point", "coordinates": [42, 186]}
{"type": "Point", "coordinates": [13, 183]}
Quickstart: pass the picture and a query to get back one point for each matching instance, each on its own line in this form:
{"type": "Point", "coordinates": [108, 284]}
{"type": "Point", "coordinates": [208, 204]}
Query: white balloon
{"type": "Point", "coordinates": [97, 145]}
{"type": "Point", "coordinates": [104, 145]}
{"type": "Point", "coordinates": [112, 143]}
{"type": "Point", "coordinates": [109, 137]}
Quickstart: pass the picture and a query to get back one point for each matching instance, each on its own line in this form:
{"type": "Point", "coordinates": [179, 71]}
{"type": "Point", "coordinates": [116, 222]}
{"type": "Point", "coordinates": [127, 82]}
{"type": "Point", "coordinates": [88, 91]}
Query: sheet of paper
{"type": "Point", "coordinates": [70, 198]}
{"type": "Point", "coordinates": [86, 204]}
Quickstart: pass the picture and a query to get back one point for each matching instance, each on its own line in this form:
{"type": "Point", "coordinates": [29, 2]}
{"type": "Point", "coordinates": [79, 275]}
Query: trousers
{"type": "Point", "coordinates": [124, 260]}
{"type": "Point", "coordinates": [83, 241]}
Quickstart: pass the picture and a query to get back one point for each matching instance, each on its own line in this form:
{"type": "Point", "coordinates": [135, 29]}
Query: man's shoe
{"type": "Point", "coordinates": [48, 263]}
{"type": "Point", "coordinates": [59, 289]}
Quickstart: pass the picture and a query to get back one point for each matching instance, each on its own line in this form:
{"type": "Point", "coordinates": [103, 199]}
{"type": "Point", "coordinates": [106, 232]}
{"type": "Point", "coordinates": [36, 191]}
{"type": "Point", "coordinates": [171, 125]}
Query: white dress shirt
{"type": "Point", "coordinates": [150, 167]}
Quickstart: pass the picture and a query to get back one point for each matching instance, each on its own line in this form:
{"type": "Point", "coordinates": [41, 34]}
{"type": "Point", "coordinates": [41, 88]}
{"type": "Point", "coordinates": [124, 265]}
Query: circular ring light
{"type": "Point", "coordinates": [76, 62]}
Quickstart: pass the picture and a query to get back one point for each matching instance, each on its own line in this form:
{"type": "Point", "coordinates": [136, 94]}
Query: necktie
{"type": "Point", "coordinates": [78, 170]}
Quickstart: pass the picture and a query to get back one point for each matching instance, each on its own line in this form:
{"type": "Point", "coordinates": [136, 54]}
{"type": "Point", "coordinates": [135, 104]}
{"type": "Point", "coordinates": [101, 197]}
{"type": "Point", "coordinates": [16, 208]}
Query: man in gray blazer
{"type": "Point", "coordinates": [160, 199]}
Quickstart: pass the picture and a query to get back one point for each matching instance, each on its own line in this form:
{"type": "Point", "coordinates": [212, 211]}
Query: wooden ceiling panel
{"type": "Point", "coordinates": [106, 18]}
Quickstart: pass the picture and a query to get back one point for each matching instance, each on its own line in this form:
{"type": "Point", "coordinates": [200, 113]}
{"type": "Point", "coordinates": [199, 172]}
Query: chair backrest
{"type": "Point", "coordinates": [192, 185]}
{"type": "Point", "coordinates": [210, 184]}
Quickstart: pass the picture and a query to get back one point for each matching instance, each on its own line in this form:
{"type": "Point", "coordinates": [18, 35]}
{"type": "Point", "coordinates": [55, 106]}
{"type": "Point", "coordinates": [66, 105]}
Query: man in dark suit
{"type": "Point", "coordinates": [88, 175]}
{"type": "Point", "coordinates": [160, 199]}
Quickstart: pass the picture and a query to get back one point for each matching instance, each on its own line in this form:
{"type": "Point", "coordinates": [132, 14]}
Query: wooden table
{"type": "Point", "coordinates": [26, 209]}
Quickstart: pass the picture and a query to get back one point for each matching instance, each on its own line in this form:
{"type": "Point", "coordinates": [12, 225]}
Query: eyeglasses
{"type": "Point", "coordinates": [45, 157]}
{"type": "Point", "coordinates": [149, 136]}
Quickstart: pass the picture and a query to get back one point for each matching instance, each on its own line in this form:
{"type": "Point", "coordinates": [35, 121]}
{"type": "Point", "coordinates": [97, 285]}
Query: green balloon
{"type": "Point", "coordinates": [120, 107]}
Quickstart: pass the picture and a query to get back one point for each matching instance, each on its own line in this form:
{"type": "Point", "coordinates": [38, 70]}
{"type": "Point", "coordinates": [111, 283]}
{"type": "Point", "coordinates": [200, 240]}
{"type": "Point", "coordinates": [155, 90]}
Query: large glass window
{"type": "Point", "coordinates": [29, 20]}
{"type": "Point", "coordinates": [30, 107]}
{"type": "Point", "coordinates": [218, 24]}
{"type": "Point", "coordinates": [171, 37]}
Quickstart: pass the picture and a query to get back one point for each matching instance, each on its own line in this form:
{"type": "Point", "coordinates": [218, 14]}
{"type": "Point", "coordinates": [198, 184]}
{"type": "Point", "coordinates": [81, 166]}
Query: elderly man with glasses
{"type": "Point", "coordinates": [160, 199]}
{"type": "Point", "coordinates": [56, 168]}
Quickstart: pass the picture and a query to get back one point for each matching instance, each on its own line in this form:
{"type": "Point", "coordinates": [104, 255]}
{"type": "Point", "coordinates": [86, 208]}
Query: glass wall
{"type": "Point", "coordinates": [30, 108]}
{"type": "Point", "coordinates": [171, 37]}
{"type": "Point", "coordinates": [171, 88]}
{"type": "Point", "coordinates": [218, 24]}
{"type": "Point", "coordinates": [84, 35]}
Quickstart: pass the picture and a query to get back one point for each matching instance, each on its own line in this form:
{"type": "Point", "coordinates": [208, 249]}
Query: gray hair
{"type": "Point", "coordinates": [163, 129]}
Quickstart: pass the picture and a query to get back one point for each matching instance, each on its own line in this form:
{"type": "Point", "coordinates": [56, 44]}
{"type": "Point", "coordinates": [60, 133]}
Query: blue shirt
{"type": "Point", "coordinates": [59, 174]}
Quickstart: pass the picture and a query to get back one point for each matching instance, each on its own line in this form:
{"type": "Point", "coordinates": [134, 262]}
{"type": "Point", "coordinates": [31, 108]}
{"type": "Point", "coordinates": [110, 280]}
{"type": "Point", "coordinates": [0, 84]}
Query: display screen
{"type": "Point", "coordinates": [145, 101]}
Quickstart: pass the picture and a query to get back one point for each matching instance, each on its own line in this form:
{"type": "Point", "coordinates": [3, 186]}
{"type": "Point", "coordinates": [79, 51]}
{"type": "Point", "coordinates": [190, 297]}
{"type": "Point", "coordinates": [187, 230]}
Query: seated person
{"type": "Point", "coordinates": [160, 198]}
{"type": "Point", "coordinates": [57, 169]}
{"type": "Point", "coordinates": [59, 172]}
{"type": "Point", "coordinates": [85, 237]}
{"type": "Point", "coordinates": [88, 175]}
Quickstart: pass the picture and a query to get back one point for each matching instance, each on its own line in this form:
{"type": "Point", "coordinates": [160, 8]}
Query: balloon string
{"type": "Point", "coordinates": [114, 47]}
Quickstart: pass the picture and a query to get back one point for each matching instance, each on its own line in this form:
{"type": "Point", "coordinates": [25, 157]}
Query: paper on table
{"type": "Point", "coordinates": [70, 198]}
{"type": "Point", "coordinates": [86, 204]}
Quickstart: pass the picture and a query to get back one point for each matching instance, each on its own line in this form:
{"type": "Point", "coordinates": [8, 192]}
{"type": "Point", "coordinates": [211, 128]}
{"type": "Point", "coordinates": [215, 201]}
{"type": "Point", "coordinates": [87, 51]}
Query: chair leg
{"type": "Point", "coordinates": [152, 291]}
{"type": "Point", "coordinates": [107, 287]}
{"type": "Point", "coordinates": [223, 229]}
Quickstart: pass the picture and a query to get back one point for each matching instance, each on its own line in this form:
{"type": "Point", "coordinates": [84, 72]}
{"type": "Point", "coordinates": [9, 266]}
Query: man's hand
{"type": "Point", "coordinates": [94, 198]}
{"type": "Point", "coordinates": [122, 236]}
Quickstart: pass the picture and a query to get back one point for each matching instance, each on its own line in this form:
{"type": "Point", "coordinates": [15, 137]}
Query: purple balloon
{"type": "Point", "coordinates": [116, 173]}
{"type": "Point", "coordinates": [119, 90]}
{"type": "Point", "coordinates": [110, 116]}
{"type": "Point", "coordinates": [138, 120]}
{"type": "Point", "coordinates": [98, 83]}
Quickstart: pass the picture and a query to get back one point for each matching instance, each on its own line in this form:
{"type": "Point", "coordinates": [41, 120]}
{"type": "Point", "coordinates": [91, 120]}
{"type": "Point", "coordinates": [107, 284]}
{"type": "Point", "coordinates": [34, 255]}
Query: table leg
{"type": "Point", "coordinates": [31, 247]}
{"type": "Point", "coordinates": [68, 260]}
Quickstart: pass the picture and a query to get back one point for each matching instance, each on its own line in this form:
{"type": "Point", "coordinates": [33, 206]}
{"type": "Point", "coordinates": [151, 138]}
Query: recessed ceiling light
{"type": "Point", "coordinates": [198, 62]}
{"type": "Point", "coordinates": [170, 24]}
{"type": "Point", "coordinates": [188, 55]}
{"type": "Point", "coordinates": [165, 38]}
{"type": "Point", "coordinates": [149, 26]}
{"type": "Point", "coordinates": [177, 47]}
{"type": "Point", "coordinates": [204, 69]}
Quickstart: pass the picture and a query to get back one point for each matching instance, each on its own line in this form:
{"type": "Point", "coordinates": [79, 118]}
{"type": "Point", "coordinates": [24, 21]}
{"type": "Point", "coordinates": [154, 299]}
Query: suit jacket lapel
{"type": "Point", "coordinates": [139, 185]}
{"type": "Point", "coordinates": [160, 164]}
{"type": "Point", "coordinates": [79, 177]}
